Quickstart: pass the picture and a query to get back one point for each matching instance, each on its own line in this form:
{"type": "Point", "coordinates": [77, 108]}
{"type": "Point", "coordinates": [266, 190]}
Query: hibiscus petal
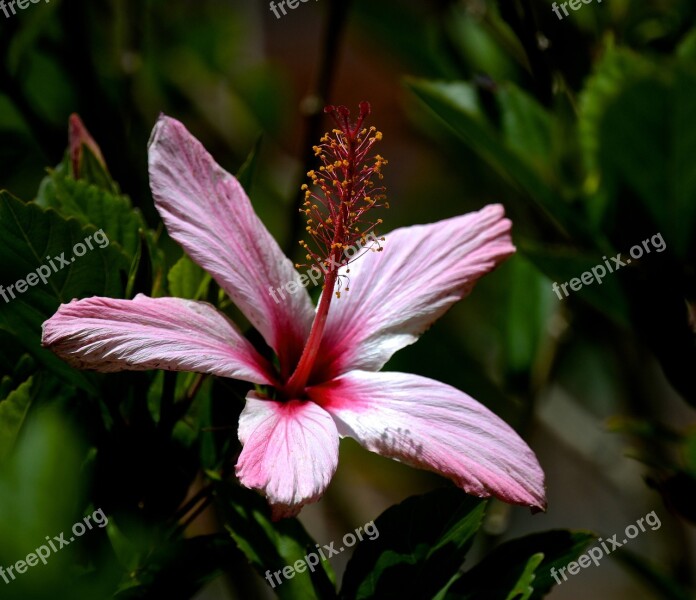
{"type": "Point", "coordinates": [208, 213]}
{"type": "Point", "coordinates": [110, 335]}
{"type": "Point", "coordinates": [290, 452]}
{"type": "Point", "coordinates": [396, 294]}
{"type": "Point", "coordinates": [430, 425]}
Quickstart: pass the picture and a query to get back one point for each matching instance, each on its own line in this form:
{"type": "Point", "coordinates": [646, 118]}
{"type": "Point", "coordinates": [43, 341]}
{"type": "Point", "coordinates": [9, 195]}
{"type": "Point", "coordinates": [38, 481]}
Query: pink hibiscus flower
{"type": "Point", "coordinates": [328, 383]}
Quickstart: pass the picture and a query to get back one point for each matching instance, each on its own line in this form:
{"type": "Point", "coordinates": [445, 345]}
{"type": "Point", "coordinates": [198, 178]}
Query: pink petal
{"type": "Point", "coordinates": [206, 210]}
{"type": "Point", "coordinates": [152, 333]}
{"type": "Point", "coordinates": [290, 452]}
{"type": "Point", "coordinates": [431, 425]}
{"type": "Point", "coordinates": [396, 294]}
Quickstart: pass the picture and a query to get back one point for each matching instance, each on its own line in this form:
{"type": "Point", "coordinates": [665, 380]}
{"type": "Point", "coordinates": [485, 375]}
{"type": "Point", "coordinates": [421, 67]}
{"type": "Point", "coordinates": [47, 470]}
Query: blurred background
{"type": "Point", "coordinates": [583, 127]}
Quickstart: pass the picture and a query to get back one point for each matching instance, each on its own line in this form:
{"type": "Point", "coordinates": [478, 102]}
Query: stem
{"type": "Point", "coordinates": [520, 17]}
{"type": "Point", "coordinates": [299, 378]}
{"type": "Point", "coordinates": [167, 414]}
{"type": "Point", "coordinates": [336, 19]}
{"type": "Point", "coordinates": [192, 517]}
{"type": "Point", "coordinates": [204, 492]}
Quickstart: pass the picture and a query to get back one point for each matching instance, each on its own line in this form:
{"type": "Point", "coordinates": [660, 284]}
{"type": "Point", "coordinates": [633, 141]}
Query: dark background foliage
{"type": "Point", "coordinates": [584, 128]}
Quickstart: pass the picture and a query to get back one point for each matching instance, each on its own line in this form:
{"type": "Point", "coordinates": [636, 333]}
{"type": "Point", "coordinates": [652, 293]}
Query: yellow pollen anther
{"type": "Point", "coordinates": [345, 175]}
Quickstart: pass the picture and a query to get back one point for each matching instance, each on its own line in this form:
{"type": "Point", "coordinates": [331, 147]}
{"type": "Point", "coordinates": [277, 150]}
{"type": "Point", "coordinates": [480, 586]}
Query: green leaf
{"type": "Point", "coordinates": [529, 307]}
{"type": "Point", "coordinates": [422, 542]}
{"type": "Point", "coordinates": [272, 546]}
{"type": "Point", "coordinates": [13, 411]}
{"type": "Point", "coordinates": [32, 239]}
{"type": "Point", "coordinates": [618, 68]}
{"type": "Point", "coordinates": [523, 589]}
{"type": "Point", "coordinates": [526, 128]}
{"type": "Point", "coordinates": [638, 128]}
{"type": "Point", "coordinates": [515, 566]}
{"type": "Point", "coordinates": [458, 106]}
{"type": "Point", "coordinates": [94, 206]}
{"type": "Point", "coordinates": [188, 280]}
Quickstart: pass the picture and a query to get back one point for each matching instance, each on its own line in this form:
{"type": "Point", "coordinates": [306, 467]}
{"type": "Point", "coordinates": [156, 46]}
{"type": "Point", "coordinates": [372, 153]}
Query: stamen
{"type": "Point", "coordinates": [341, 194]}
{"type": "Point", "coordinates": [342, 190]}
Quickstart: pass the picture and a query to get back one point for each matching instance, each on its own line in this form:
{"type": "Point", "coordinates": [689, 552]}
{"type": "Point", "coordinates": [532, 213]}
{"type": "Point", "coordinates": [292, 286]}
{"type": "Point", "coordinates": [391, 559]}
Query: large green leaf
{"type": "Point", "coordinates": [272, 546]}
{"type": "Point", "coordinates": [422, 542]}
{"type": "Point", "coordinates": [33, 238]}
{"type": "Point", "coordinates": [509, 568]}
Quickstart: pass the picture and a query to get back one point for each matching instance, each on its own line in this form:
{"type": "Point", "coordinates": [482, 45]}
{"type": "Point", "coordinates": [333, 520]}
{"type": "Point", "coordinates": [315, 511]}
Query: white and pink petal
{"type": "Point", "coordinates": [108, 335]}
{"type": "Point", "coordinates": [431, 425]}
{"type": "Point", "coordinates": [396, 294]}
{"type": "Point", "coordinates": [290, 452]}
{"type": "Point", "coordinates": [208, 213]}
